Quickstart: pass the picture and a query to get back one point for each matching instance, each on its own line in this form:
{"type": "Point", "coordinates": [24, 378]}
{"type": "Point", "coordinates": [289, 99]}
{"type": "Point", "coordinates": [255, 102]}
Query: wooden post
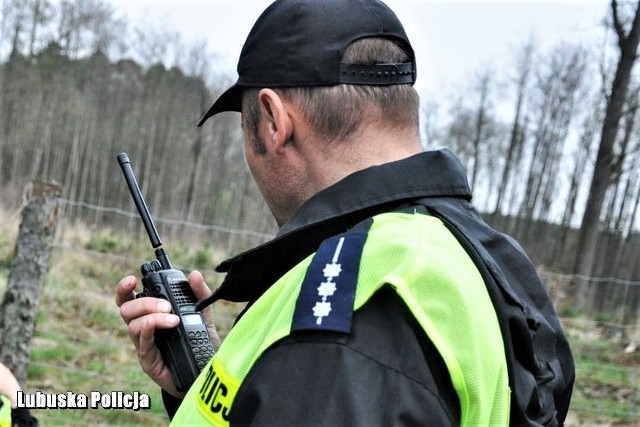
{"type": "Point", "coordinates": [21, 299]}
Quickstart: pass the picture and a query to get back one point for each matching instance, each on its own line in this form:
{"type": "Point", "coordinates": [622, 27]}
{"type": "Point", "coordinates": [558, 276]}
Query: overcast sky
{"type": "Point", "coordinates": [451, 38]}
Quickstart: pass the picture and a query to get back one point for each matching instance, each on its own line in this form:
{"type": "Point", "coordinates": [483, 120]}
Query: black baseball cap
{"type": "Point", "coordinates": [300, 43]}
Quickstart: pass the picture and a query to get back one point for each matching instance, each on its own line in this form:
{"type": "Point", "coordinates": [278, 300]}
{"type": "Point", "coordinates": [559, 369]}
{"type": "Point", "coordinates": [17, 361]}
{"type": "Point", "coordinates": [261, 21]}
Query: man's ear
{"type": "Point", "coordinates": [276, 119]}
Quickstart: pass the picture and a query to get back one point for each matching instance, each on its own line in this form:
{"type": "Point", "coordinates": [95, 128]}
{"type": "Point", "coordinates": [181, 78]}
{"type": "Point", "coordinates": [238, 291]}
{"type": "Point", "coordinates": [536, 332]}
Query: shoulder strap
{"type": "Point", "coordinates": [328, 290]}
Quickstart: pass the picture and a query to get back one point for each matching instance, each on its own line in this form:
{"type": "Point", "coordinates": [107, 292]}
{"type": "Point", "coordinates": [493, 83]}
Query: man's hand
{"type": "Point", "coordinates": [144, 315]}
{"type": "Point", "coordinates": [9, 386]}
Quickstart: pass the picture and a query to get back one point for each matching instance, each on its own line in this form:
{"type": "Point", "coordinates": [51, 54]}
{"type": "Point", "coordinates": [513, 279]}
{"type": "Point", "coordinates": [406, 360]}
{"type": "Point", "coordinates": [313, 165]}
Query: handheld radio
{"type": "Point", "coordinates": [185, 349]}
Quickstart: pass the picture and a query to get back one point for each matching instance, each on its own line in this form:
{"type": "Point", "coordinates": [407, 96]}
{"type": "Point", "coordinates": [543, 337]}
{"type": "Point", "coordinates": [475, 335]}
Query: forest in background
{"type": "Point", "coordinates": [79, 85]}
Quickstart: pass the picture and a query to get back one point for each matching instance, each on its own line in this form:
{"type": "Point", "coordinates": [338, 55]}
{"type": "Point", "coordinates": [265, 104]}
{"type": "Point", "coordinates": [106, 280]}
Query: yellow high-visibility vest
{"type": "Point", "coordinates": [5, 411]}
{"type": "Point", "coordinates": [417, 256]}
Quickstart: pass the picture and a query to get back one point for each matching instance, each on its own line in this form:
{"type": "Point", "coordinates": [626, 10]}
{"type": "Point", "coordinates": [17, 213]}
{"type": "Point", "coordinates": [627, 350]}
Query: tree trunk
{"type": "Point", "coordinates": [515, 140]}
{"type": "Point", "coordinates": [582, 156]}
{"type": "Point", "coordinates": [480, 122]}
{"type": "Point", "coordinates": [19, 307]}
{"type": "Point", "coordinates": [604, 166]}
{"type": "Point", "coordinates": [35, 20]}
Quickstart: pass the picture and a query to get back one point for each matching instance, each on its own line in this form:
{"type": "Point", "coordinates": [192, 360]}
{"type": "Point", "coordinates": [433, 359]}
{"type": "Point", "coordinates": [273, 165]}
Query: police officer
{"type": "Point", "coordinates": [10, 414]}
{"type": "Point", "coordinates": [384, 299]}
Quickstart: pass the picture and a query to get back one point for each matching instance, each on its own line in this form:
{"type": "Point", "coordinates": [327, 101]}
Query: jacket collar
{"type": "Point", "coordinates": [336, 209]}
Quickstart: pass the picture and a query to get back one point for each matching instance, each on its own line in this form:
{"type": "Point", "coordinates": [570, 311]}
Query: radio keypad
{"type": "Point", "coordinates": [201, 346]}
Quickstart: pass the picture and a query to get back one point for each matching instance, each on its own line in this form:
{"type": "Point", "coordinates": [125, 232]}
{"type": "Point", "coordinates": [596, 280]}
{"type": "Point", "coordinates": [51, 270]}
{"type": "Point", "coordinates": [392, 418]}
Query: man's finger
{"type": "Point", "coordinates": [142, 330]}
{"type": "Point", "coordinates": [140, 307]}
{"type": "Point", "coordinates": [198, 285]}
{"type": "Point", "coordinates": [124, 290]}
{"type": "Point", "coordinates": [201, 291]}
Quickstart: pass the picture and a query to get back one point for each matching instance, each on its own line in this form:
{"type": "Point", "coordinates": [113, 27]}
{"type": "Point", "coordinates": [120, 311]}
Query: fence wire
{"type": "Point", "coordinates": [589, 279]}
{"type": "Point", "coordinates": [169, 221]}
{"type": "Point", "coordinates": [586, 335]}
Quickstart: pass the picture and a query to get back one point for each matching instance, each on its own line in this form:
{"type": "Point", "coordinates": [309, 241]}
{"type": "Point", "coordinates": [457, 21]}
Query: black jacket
{"type": "Point", "coordinates": [387, 372]}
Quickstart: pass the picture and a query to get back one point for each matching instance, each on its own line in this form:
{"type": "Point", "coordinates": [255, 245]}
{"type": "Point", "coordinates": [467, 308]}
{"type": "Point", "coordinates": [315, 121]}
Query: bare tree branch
{"type": "Point", "coordinates": [617, 25]}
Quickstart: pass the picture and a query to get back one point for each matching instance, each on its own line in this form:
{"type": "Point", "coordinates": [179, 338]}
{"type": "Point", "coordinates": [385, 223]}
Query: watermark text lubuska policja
{"type": "Point", "coordinates": [95, 400]}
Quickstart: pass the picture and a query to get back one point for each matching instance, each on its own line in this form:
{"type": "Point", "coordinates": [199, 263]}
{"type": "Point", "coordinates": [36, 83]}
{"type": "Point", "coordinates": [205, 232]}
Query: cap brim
{"type": "Point", "coordinates": [230, 100]}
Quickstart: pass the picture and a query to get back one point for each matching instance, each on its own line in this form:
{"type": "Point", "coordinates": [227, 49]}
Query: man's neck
{"type": "Point", "coordinates": [374, 145]}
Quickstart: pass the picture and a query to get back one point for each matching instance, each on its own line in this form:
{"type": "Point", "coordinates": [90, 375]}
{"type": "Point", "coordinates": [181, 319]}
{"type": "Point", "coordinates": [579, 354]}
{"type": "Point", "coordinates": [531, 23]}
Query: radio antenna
{"type": "Point", "coordinates": [125, 164]}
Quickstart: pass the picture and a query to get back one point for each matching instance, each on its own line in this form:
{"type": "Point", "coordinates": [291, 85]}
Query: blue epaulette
{"type": "Point", "coordinates": [328, 290]}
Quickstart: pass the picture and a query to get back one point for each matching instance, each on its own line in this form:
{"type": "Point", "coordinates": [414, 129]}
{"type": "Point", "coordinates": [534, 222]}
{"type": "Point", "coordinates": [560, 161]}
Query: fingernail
{"type": "Point", "coordinates": [164, 306]}
{"type": "Point", "coordinates": [172, 319]}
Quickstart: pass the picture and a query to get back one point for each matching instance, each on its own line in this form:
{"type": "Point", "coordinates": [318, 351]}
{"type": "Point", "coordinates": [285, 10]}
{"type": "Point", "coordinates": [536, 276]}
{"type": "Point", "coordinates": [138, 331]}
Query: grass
{"type": "Point", "coordinates": [607, 390]}
{"type": "Point", "coordinates": [82, 345]}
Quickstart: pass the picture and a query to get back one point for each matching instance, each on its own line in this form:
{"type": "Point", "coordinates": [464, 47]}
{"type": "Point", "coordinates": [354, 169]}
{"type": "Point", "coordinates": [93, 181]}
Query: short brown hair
{"type": "Point", "coordinates": [336, 112]}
